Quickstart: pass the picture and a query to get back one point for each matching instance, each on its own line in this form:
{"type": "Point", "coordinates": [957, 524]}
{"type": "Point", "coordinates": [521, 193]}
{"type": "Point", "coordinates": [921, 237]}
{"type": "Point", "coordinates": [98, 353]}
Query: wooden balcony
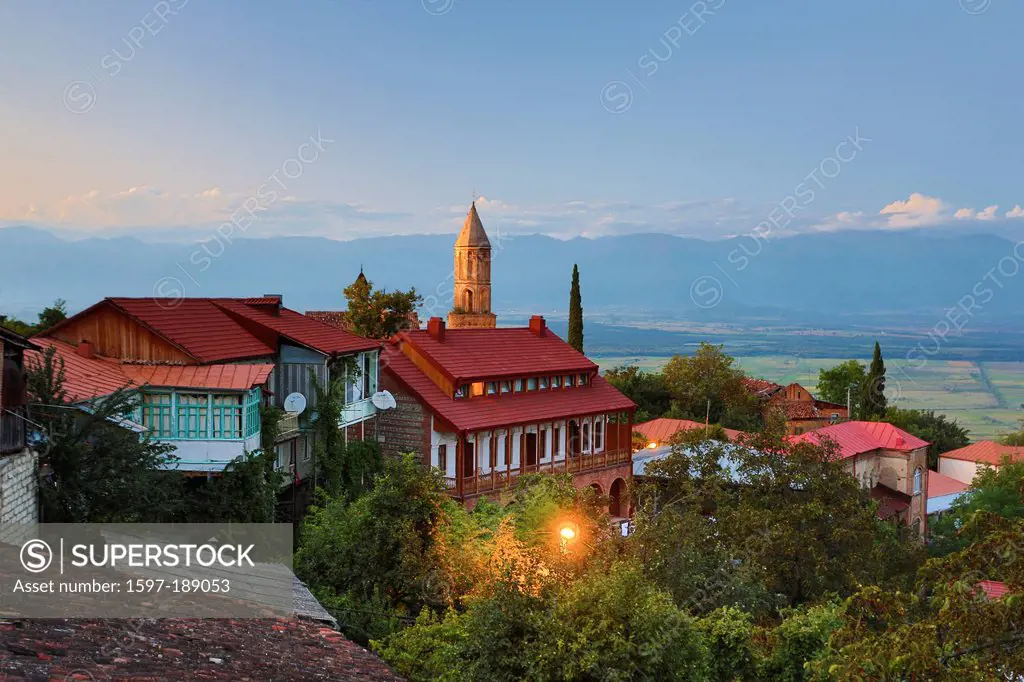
{"type": "Point", "coordinates": [288, 427]}
{"type": "Point", "coordinates": [12, 430]}
{"type": "Point", "coordinates": [497, 479]}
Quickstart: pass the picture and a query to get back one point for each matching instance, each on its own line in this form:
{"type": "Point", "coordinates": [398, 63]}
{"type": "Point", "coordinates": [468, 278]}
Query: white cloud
{"type": "Point", "coordinates": [1015, 212]}
{"type": "Point", "coordinates": [917, 211]}
{"type": "Point", "coordinates": [964, 213]}
{"type": "Point", "coordinates": [988, 214]}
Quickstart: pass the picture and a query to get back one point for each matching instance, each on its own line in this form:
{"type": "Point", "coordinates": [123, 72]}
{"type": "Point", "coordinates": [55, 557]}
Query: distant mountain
{"type": "Point", "coordinates": [814, 279]}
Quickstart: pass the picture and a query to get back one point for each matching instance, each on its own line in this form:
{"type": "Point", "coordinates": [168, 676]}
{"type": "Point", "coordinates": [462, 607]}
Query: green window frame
{"type": "Point", "coordinates": [201, 416]}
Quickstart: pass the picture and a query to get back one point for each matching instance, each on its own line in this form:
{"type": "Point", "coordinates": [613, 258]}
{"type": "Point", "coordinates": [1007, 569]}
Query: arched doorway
{"type": "Point", "coordinates": [467, 301]}
{"type": "Point", "coordinates": [617, 493]}
{"type": "Point", "coordinates": [597, 488]}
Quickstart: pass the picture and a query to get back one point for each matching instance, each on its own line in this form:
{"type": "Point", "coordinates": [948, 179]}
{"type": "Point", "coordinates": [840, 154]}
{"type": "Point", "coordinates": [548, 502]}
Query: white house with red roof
{"type": "Point", "coordinates": [888, 461]}
{"type": "Point", "coordinates": [964, 463]}
{"type": "Point", "coordinates": [203, 366]}
{"type": "Point", "coordinates": [486, 405]}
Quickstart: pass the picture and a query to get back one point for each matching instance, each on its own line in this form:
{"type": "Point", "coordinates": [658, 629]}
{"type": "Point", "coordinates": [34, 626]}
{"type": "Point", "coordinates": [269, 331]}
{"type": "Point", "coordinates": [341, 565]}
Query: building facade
{"type": "Point", "coordinates": [963, 464]}
{"type": "Point", "coordinates": [472, 293]}
{"type": "Point", "coordinates": [801, 410]}
{"type": "Point", "coordinates": [19, 482]}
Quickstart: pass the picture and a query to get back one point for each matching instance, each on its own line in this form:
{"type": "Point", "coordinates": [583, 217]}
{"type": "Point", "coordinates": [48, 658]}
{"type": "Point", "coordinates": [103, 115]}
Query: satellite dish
{"type": "Point", "coordinates": [383, 400]}
{"type": "Point", "coordinates": [295, 403]}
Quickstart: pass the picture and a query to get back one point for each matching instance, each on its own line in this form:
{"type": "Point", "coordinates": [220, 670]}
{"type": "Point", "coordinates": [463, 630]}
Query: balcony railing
{"type": "Point", "coordinates": [497, 479]}
{"type": "Point", "coordinates": [288, 426]}
{"type": "Point", "coordinates": [12, 430]}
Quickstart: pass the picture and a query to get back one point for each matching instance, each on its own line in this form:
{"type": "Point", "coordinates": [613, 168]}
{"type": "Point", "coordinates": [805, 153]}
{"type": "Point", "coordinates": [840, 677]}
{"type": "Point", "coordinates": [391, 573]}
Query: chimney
{"type": "Point", "coordinates": [274, 308]}
{"type": "Point", "coordinates": [86, 349]}
{"type": "Point", "coordinates": [435, 327]}
{"type": "Point", "coordinates": [537, 325]}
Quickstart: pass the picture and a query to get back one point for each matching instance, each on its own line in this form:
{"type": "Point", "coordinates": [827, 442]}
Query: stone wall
{"type": "Point", "coordinates": [405, 428]}
{"type": "Point", "coordinates": [19, 488]}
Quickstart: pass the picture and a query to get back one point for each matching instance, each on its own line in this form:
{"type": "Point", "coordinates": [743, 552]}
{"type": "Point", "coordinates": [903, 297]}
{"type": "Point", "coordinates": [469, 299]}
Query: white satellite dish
{"type": "Point", "coordinates": [295, 403]}
{"type": "Point", "coordinates": [383, 400]}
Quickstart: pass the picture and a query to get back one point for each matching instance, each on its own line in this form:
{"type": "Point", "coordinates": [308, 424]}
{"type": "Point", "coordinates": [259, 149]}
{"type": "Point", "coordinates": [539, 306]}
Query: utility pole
{"type": "Point", "coordinates": [849, 405]}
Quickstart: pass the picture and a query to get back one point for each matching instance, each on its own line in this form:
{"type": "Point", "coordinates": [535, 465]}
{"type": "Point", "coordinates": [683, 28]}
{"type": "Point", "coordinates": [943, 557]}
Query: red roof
{"type": "Point", "coordinates": [940, 485]}
{"type": "Point", "coordinates": [994, 589]}
{"type": "Point", "coordinates": [856, 437]}
{"type": "Point", "coordinates": [890, 502]}
{"type": "Point", "coordinates": [986, 452]}
{"type": "Point", "coordinates": [304, 330]}
{"type": "Point", "coordinates": [467, 354]}
{"type": "Point", "coordinates": [472, 414]}
{"type": "Point", "coordinates": [761, 386]}
{"type": "Point", "coordinates": [662, 429]}
{"type": "Point", "coordinates": [86, 378]}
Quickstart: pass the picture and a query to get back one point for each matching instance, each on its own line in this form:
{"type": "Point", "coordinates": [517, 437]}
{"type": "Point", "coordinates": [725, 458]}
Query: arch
{"type": "Point", "coordinates": [467, 300]}
{"type": "Point", "coordinates": [918, 480]}
{"type": "Point", "coordinates": [617, 493]}
{"type": "Point", "coordinates": [574, 438]}
{"type": "Point", "coordinates": [485, 300]}
{"type": "Point", "coordinates": [597, 488]}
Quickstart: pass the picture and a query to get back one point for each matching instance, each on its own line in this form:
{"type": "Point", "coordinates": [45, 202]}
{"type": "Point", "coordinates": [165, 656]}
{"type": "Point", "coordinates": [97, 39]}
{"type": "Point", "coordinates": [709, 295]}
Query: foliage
{"type": "Point", "coordinates": [98, 470]}
{"type": "Point", "coordinates": [834, 383]}
{"type": "Point", "coordinates": [944, 435]}
{"type": "Point", "coordinates": [728, 633]}
{"type": "Point", "coordinates": [48, 317]}
{"type": "Point", "coordinates": [646, 389]}
{"type": "Point", "coordinates": [872, 403]}
{"type": "Point", "coordinates": [341, 467]}
{"type": "Point", "coordinates": [706, 385]}
{"type": "Point", "coordinates": [377, 314]}
{"type": "Point", "coordinates": [1014, 437]}
{"type": "Point", "coordinates": [270, 426]}
{"type": "Point", "coordinates": [575, 337]}
{"type": "Point", "coordinates": [245, 493]}
{"type": "Point", "coordinates": [998, 491]}
{"type": "Point", "coordinates": [802, 637]}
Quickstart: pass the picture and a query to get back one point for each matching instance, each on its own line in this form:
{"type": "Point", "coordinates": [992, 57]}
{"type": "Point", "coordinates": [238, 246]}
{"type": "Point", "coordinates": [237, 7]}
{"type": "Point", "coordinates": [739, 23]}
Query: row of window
{"type": "Point", "coordinates": [544, 383]}
{"type": "Point", "coordinates": [363, 382]}
{"type": "Point", "coordinates": [200, 416]}
{"type": "Point", "coordinates": [534, 446]}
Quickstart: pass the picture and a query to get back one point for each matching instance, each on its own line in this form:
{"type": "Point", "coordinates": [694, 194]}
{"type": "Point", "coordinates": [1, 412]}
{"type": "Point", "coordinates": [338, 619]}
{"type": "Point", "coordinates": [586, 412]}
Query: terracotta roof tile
{"type": "Point", "coordinates": [473, 414]}
{"type": "Point", "coordinates": [986, 452]}
{"type": "Point", "coordinates": [84, 378]}
{"type": "Point", "coordinates": [662, 429]}
{"type": "Point", "coordinates": [761, 386]}
{"type": "Point", "coordinates": [467, 354]}
{"type": "Point", "coordinates": [940, 485]}
{"type": "Point", "coordinates": [856, 437]}
{"type": "Point", "coordinates": [305, 330]}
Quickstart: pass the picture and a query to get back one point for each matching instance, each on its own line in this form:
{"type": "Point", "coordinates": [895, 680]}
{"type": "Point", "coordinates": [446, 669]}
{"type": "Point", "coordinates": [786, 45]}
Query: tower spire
{"type": "Point", "coordinates": [472, 304]}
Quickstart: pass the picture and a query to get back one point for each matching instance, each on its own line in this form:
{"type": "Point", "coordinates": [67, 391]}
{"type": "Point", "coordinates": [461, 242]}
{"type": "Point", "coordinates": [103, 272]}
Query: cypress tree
{"type": "Point", "coordinates": [575, 312]}
{"type": "Point", "coordinates": [872, 400]}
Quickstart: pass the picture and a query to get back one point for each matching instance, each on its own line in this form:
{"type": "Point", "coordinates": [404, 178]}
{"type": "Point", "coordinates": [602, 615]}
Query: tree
{"type": "Point", "coordinates": [48, 317]}
{"type": "Point", "coordinates": [343, 468]}
{"type": "Point", "coordinates": [646, 389]}
{"type": "Point", "coordinates": [943, 435]}
{"type": "Point", "coordinates": [873, 402]}
{"type": "Point", "coordinates": [834, 383]}
{"type": "Point", "coordinates": [377, 314]}
{"type": "Point", "coordinates": [705, 385]}
{"type": "Point", "coordinates": [246, 492]}
{"type": "Point", "coordinates": [1014, 437]}
{"type": "Point", "coordinates": [998, 491]}
{"type": "Point", "coordinates": [575, 312]}
{"type": "Point", "coordinates": [99, 470]}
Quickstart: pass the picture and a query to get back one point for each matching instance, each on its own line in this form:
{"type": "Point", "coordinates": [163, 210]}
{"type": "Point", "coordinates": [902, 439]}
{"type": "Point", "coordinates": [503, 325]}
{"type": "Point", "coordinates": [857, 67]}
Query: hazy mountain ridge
{"type": "Point", "coordinates": [805, 279]}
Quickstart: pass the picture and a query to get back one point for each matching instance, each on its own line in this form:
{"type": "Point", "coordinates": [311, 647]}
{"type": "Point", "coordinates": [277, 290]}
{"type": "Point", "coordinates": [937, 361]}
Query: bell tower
{"type": "Point", "coordinates": [472, 305]}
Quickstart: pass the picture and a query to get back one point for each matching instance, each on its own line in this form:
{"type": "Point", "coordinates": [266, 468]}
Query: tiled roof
{"type": "Point", "coordinates": [473, 233]}
{"type": "Point", "coordinates": [940, 485]}
{"type": "Point", "coordinates": [305, 330]}
{"type": "Point", "coordinates": [761, 387]}
{"type": "Point", "coordinates": [986, 452]}
{"type": "Point", "coordinates": [994, 589]}
{"type": "Point", "coordinates": [198, 326]}
{"type": "Point", "coordinates": [472, 414]}
{"type": "Point", "coordinates": [183, 649]}
{"type": "Point", "coordinates": [86, 378]}
{"type": "Point", "coordinates": [856, 437]}
{"type": "Point", "coordinates": [490, 353]}
{"type": "Point", "coordinates": [662, 429]}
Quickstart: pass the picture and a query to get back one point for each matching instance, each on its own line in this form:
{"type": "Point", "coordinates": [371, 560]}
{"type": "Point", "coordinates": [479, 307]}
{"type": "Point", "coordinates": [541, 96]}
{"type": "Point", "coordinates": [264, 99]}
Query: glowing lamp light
{"type": "Point", "coordinates": [567, 533]}
{"type": "Point", "coordinates": [652, 445]}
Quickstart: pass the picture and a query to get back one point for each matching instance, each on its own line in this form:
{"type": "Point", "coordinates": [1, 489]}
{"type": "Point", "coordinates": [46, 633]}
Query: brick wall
{"type": "Point", "coordinates": [405, 428]}
{"type": "Point", "coordinates": [19, 488]}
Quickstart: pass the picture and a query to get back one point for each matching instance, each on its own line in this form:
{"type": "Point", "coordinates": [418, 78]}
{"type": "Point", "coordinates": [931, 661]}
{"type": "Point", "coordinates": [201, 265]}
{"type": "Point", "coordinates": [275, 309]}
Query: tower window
{"type": "Point", "coordinates": [467, 301]}
{"type": "Point", "coordinates": [543, 382]}
{"type": "Point", "coordinates": [531, 384]}
{"type": "Point", "coordinates": [556, 382]}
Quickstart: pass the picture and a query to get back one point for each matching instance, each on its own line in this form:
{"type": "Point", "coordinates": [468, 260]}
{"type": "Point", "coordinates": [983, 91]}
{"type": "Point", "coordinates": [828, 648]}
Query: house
{"type": "Point", "coordinates": [19, 485]}
{"type": "Point", "coordinates": [486, 405]}
{"type": "Point", "coordinates": [943, 491]}
{"type": "Point", "coordinates": [963, 463]}
{"type": "Point", "coordinates": [802, 411]}
{"type": "Point", "coordinates": [891, 463]}
{"type": "Point", "coordinates": [659, 432]}
{"type": "Point", "coordinates": [203, 367]}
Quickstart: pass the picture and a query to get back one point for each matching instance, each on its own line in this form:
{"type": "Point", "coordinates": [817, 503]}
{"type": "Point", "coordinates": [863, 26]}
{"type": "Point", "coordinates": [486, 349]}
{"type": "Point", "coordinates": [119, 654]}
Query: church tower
{"type": "Point", "coordinates": [472, 305]}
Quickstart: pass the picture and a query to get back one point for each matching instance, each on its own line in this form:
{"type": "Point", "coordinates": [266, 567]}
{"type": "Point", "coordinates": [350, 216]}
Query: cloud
{"type": "Point", "coordinates": [916, 211]}
{"type": "Point", "coordinates": [988, 214]}
{"type": "Point", "coordinates": [1015, 212]}
{"type": "Point", "coordinates": [964, 214]}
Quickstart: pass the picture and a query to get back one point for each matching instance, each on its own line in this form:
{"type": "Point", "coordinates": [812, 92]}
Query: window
{"type": "Point", "coordinates": [227, 416]}
{"type": "Point", "coordinates": [284, 457]}
{"type": "Point", "coordinates": [569, 381]}
{"type": "Point", "coordinates": [506, 386]}
{"type": "Point", "coordinates": [369, 373]}
{"type": "Point", "coordinates": [506, 452]}
{"type": "Point", "coordinates": [306, 450]}
{"type": "Point", "coordinates": [442, 457]}
{"type": "Point", "coordinates": [598, 434]}
{"type": "Point", "coordinates": [918, 481]}
{"type": "Point", "coordinates": [556, 382]}
{"type": "Point", "coordinates": [492, 387]}
{"type": "Point", "coordinates": [157, 414]}
{"type": "Point", "coordinates": [586, 436]}
{"type": "Point", "coordinates": [583, 380]}
{"type": "Point", "coordinates": [478, 388]}
{"type": "Point", "coordinates": [252, 412]}
{"type": "Point", "coordinates": [543, 443]}
{"type": "Point", "coordinates": [531, 384]}
{"type": "Point", "coordinates": [556, 441]}
{"type": "Point", "coordinates": [543, 383]}
{"type": "Point", "coordinates": [519, 385]}
{"type": "Point", "coordinates": [193, 415]}
{"type": "Point", "coordinates": [462, 391]}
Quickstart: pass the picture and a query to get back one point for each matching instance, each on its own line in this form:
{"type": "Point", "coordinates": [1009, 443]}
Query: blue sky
{"type": "Point", "coordinates": [576, 117]}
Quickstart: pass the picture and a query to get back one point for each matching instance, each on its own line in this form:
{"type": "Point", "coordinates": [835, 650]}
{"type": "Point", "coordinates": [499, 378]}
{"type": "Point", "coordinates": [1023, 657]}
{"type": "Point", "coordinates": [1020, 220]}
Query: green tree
{"type": "Point", "coordinates": [646, 389]}
{"type": "Point", "coordinates": [343, 468]}
{"type": "Point", "coordinates": [98, 469]}
{"type": "Point", "coordinates": [575, 312]}
{"type": "Point", "coordinates": [376, 313]}
{"type": "Point", "coordinates": [1014, 437]}
{"type": "Point", "coordinates": [994, 490]}
{"type": "Point", "coordinates": [706, 385]}
{"type": "Point", "coordinates": [873, 403]}
{"type": "Point", "coordinates": [246, 492]}
{"type": "Point", "coordinates": [834, 383]}
{"type": "Point", "coordinates": [943, 435]}
{"type": "Point", "coordinates": [48, 317]}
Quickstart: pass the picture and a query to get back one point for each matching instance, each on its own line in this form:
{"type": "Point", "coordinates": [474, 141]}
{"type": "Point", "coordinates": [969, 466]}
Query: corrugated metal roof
{"type": "Point", "coordinates": [473, 414]}
{"type": "Point", "coordinates": [856, 437]}
{"type": "Point", "coordinates": [986, 452]}
{"type": "Point", "coordinates": [467, 354]}
{"type": "Point", "coordinates": [663, 429]}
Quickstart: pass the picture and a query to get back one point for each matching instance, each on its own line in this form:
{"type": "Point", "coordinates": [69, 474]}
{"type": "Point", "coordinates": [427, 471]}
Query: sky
{"type": "Point", "coordinates": [166, 120]}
